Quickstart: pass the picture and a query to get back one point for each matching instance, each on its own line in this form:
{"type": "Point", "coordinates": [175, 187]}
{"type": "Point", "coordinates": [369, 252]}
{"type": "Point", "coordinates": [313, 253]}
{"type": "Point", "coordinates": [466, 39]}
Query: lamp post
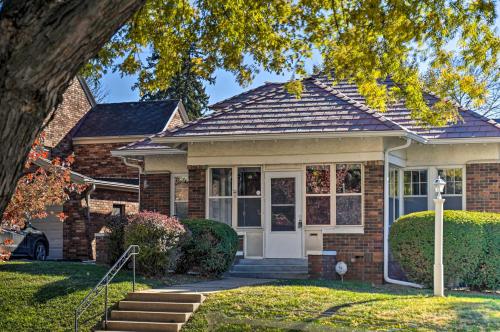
{"type": "Point", "coordinates": [438, 238]}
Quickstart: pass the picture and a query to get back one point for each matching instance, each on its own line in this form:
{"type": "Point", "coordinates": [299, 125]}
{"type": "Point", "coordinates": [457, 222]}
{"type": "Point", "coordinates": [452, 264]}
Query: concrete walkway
{"type": "Point", "coordinates": [213, 286]}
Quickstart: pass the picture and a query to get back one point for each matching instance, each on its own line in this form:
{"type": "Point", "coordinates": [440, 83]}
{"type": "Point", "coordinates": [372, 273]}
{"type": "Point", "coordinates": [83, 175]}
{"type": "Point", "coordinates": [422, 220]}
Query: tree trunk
{"type": "Point", "coordinates": [43, 43]}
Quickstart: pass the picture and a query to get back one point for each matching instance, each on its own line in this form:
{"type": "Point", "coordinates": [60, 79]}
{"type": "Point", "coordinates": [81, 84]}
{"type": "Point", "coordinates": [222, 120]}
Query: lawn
{"type": "Point", "coordinates": [42, 296]}
{"type": "Point", "coordinates": [333, 306]}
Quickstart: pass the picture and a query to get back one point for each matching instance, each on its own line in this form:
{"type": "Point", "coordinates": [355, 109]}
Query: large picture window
{"type": "Point", "coordinates": [346, 198]}
{"type": "Point", "coordinates": [220, 198]}
{"type": "Point", "coordinates": [453, 190]}
{"type": "Point", "coordinates": [180, 201]}
{"type": "Point", "coordinates": [415, 191]}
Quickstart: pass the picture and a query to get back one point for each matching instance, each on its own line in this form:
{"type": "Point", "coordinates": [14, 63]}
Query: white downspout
{"type": "Point", "coordinates": [386, 217]}
{"type": "Point", "coordinates": [139, 167]}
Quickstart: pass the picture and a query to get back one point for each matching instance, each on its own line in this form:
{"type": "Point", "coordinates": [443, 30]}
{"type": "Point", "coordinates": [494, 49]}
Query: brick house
{"type": "Point", "coordinates": [319, 178]}
{"type": "Point", "coordinates": [91, 131]}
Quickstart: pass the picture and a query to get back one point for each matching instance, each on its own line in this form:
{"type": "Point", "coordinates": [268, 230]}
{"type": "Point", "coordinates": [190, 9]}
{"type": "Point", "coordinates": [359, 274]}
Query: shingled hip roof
{"type": "Point", "coordinates": [270, 110]}
{"type": "Point", "coordinates": [127, 119]}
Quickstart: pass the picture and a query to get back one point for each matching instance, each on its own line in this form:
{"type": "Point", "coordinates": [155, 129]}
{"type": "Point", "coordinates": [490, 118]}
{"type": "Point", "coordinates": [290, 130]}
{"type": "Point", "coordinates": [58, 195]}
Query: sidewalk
{"type": "Point", "coordinates": [213, 286]}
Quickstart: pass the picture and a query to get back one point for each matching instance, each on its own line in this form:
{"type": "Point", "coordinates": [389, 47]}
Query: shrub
{"type": "Point", "coordinates": [158, 237]}
{"type": "Point", "coordinates": [470, 254]}
{"type": "Point", "coordinates": [116, 228]}
{"type": "Point", "coordinates": [210, 250]}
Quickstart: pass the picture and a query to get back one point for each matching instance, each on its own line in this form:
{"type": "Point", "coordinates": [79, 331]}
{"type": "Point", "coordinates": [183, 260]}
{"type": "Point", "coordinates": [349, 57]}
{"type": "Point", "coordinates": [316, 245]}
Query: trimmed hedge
{"type": "Point", "coordinates": [210, 250]}
{"type": "Point", "coordinates": [158, 237]}
{"type": "Point", "coordinates": [471, 248]}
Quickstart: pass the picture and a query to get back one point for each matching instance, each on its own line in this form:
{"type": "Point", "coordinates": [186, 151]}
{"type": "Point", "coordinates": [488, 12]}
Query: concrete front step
{"type": "Point", "coordinates": [269, 268]}
{"type": "Point", "coordinates": [269, 275]}
{"type": "Point", "coordinates": [273, 261]}
{"type": "Point", "coordinates": [158, 306]}
{"type": "Point", "coordinates": [115, 325]}
{"type": "Point", "coordinates": [166, 297]}
{"type": "Point", "coordinates": [150, 316]}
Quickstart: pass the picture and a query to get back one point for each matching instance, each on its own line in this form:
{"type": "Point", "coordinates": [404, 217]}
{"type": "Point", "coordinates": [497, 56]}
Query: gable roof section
{"type": "Point", "coordinates": [127, 119]}
{"type": "Point", "coordinates": [270, 109]}
{"type": "Point", "coordinates": [472, 124]}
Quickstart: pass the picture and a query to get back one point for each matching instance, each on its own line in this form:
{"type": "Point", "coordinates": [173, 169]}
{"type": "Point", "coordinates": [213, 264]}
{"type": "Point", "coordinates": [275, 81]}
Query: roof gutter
{"type": "Point", "coordinates": [146, 152]}
{"type": "Point", "coordinates": [386, 217]}
{"type": "Point", "coordinates": [263, 137]}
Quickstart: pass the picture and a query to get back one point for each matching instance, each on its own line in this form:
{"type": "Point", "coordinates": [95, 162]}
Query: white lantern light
{"type": "Point", "coordinates": [439, 186]}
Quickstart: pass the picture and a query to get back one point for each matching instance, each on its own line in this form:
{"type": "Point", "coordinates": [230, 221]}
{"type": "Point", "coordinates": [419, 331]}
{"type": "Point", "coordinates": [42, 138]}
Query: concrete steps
{"type": "Point", "coordinates": [154, 311]}
{"type": "Point", "coordinates": [271, 268]}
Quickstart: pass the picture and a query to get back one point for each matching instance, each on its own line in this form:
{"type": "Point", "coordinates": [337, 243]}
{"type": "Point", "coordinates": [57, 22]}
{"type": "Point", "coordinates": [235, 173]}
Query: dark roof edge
{"type": "Point", "coordinates": [86, 90]}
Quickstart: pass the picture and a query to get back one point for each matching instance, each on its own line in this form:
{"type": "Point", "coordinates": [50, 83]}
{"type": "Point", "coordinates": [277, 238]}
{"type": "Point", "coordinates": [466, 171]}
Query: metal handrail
{"type": "Point", "coordinates": [131, 251]}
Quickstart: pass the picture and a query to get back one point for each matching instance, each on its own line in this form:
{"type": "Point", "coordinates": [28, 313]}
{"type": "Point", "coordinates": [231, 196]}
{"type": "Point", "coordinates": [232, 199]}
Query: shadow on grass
{"type": "Point", "coordinates": [68, 277]}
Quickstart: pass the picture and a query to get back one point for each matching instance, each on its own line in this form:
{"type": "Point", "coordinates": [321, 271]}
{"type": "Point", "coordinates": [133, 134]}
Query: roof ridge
{"type": "Point", "coordinates": [215, 113]}
{"type": "Point", "coordinates": [358, 105]}
{"type": "Point", "coordinates": [138, 102]}
{"type": "Point", "coordinates": [242, 93]}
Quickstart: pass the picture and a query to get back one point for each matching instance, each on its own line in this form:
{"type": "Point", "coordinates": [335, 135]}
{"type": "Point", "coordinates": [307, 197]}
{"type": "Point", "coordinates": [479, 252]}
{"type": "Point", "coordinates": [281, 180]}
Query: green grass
{"type": "Point", "coordinates": [333, 306]}
{"type": "Point", "coordinates": [42, 296]}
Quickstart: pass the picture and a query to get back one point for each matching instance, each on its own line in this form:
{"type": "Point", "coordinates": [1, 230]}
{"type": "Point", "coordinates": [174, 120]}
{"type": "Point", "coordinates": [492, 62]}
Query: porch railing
{"type": "Point", "coordinates": [131, 251]}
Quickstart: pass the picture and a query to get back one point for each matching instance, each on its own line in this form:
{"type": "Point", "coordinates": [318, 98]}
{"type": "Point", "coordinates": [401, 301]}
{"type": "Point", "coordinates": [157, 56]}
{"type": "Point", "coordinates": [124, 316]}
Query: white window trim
{"type": "Point", "coordinates": [333, 227]}
{"type": "Point", "coordinates": [234, 194]}
{"type": "Point", "coordinates": [172, 191]}
{"type": "Point", "coordinates": [464, 184]}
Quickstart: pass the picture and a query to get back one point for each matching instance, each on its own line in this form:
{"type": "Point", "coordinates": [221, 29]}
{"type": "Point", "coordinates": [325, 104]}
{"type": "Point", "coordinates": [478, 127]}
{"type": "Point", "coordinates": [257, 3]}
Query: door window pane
{"type": "Point", "coordinates": [221, 179]}
{"type": "Point", "coordinates": [415, 183]}
{"type": "Point", "coordinates": [283, 191]}
{"type": "Point", "coordinates": [453, 178]}
{"type": "Point", "coordinates": [181, 190]}
{"type": "Point", "coordinates": [249, 181]}
{"type": "Point", "coordinates": [249, 212]}
{"type": "Point", "coordinates": [348, 178]}
{"type": "Point", "coordinates": [318, 179]}
{"type": "Point", "coordinates": [181, 210]}
{"type": "Point", "coordinates": [220, 209]}
{"type": "Point", "coordinates": [349, 210]}
{"type": "Point", "coordinates": [318, 210]}
{"type": "Point", "coordinates": [283, 218]}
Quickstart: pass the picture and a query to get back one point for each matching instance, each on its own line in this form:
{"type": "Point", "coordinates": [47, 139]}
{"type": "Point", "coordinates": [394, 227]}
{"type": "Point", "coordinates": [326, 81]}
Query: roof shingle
{"type": "Point", "coordinates": [123, 119]}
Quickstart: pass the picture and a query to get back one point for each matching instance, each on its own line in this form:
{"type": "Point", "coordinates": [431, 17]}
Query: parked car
{"type": "Point", "coordinates": [26, 242]}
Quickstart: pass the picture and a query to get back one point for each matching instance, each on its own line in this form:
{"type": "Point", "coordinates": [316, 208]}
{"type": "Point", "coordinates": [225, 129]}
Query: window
{"type": "Point", "coordinates": [220, 195]}
{"type": "Point", "coordinates": [453, 189]}
{"type": "Point", "coordinates": [347, 197]}
{"type": "Point", "coordinates": [415, 191]}
{"type": "Point", "coordinates": [249, 197]}
{"type": "Point", "coordinates": [318, 196]}
{"type": "Point", "coordinates": [181, 190]}
{"type": "Point", "coordinates": [118, 210]}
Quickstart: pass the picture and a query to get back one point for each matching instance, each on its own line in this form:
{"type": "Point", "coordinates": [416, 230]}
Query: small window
{"type": "Point", "coordinates": [249, 197]}
{"type": "Point", "coordinates": [453, 189]}
{"type": "Point", "coordinates": [181, 191]}
{"type": "Point", "coordinates": [349, 195]}
{"type": "Point", "coordinates": [220, 195]}
{"type": "Point", "coordinates": [118, 210]}
{"type": "Point", "coordinates": [415, 191]}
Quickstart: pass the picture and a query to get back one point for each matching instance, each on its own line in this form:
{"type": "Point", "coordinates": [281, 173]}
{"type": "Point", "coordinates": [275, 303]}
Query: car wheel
{"type": "Point", "coordinates": [40, 252]}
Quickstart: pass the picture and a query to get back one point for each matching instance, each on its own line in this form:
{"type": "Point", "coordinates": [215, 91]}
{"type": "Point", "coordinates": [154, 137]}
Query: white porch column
{"type": "Point", "coordinates": [438, 248]}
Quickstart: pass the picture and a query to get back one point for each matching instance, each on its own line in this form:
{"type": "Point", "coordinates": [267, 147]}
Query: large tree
{"type": "Point", "coordinates": [186, 85]}
{"type": "Point", "coordinates": [43, 44]}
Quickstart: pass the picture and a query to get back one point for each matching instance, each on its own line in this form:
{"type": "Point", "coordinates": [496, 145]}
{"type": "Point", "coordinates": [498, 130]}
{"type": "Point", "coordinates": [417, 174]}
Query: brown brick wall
{"type": "Point", "coordinates": [75, 241]}
{"type": "Point", "coordinates": [197, 191]}
{"type": "Point", "coordinates": [155, 192]}
{"type": "Point", "coordinates": [101, 249]}
{"type": "Point", "coordinates": [60, 130]}
{"type": "Point", "coordinates": [364, 253]}
{"type": "Point", "coordinates": [95, 160]}
{"type": "Point", "coordinates": [322, 267]}
{"type": "Point", "coordinates": [483, 187]}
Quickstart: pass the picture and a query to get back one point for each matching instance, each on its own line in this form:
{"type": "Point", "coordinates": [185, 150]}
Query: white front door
{"type": "Point", "coordinates": [283, 221]}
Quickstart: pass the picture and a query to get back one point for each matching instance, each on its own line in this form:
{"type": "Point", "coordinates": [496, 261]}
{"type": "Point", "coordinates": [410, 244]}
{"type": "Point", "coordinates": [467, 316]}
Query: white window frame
{"type": "Point", "coordinates": [333, 199]}
{"type": "Point", "coordinates": [464, 183]}
{"type": "Point", "coordinates": [172, 191]}
{"type": "Point", "coordinates": [235, 194]}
